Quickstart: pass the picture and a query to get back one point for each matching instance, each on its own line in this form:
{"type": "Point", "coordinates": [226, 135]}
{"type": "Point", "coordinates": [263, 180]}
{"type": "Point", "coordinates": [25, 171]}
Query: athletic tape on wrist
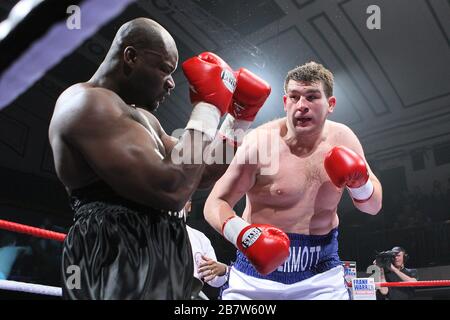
{"type": "Point", "coordinates": [362, 193]}
{"type": "Point", "coordinates": [233, 227]}
{"type": "Point", "coordinates": [204, 118]}
{"type": "Point", "coordinates": [234, 129]}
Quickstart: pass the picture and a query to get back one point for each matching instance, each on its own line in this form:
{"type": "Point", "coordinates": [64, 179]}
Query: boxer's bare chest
{"type": "Point", "coordinates": [299, 181]}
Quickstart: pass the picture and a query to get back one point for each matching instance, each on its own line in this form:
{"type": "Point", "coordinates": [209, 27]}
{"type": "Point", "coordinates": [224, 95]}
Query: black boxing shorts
{"type": "Point", "coordinates": [122, 250]}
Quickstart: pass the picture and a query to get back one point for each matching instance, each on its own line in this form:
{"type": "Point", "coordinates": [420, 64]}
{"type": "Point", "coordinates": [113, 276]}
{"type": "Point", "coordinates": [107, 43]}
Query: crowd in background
{"type": "Point", "coordinates": [406, 209]}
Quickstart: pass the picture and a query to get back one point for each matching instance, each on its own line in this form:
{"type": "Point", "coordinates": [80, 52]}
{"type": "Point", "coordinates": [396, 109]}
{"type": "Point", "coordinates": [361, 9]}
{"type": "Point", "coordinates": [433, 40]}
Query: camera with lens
{"type": "Point", "coordinates": [384, 259]}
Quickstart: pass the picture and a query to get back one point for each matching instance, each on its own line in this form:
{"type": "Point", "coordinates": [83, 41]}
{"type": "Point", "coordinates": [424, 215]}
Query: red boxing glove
{"type": "Point", "coordinates": [211, 80]}
{"type": "Point", "coordinates": [346, 167]}
{"type": "Point", "coordinates": [250, 94]}
{"type": "Point", "coordinates": [248, 98]}
{"type": "Point", "coordinates": [265, 246]}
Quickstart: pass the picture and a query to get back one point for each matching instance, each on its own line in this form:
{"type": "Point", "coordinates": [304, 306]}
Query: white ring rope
{"type": "Point", "coordinates": [30, 287]}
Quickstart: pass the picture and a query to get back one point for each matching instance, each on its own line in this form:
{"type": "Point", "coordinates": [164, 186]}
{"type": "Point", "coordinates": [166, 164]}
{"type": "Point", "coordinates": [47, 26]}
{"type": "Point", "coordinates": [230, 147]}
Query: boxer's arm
{"type": "Point", "coordinates": [168, 141]}
{"type": "Point", "coordinates": [229, 189]}
{"type": "Point", "coordinates": [123, 154]}
{"type": "Point", "coordinates": [373, 205]}
{"type": "Point", "coordinates": [219, 153]}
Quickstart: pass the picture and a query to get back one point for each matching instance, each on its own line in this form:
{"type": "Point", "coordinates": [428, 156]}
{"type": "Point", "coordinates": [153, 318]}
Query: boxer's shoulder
{"type": "Point", "coordinates": [82, 101]}
{"type": "Point", "coordinates": [273, 124]}
{"type": "Point", "coordinates": [80, 107]}
{"type": "Point", "coordinates": [262, 134]}
{"type": "Point", "coordinates": [339, 133]}
{"type": "Point", "coordinates": [267, 128]}
{"type": "Point", "coordinates": [336, 127]}
{"type": "Point", "coordinates": [77, 98]}
{"type": "Point", "coordinates": [84, 90]}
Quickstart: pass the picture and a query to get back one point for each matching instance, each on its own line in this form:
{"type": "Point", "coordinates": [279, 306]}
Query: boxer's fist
{"type": "Point", "coordinates": [248, 98]}
{"type": "Point", "coordinates": [211, 80]}
{"type": "Point", "coordinates": [265, 246]}
{"type": "Point", "coordinates": [346, 168]}
{"type": "Point", "coordinates": [250, 94]}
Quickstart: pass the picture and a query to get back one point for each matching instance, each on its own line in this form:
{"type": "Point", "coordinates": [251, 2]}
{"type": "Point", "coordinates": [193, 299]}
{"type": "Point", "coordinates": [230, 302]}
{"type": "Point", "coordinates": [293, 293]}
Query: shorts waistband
{"type": "Point", "coordinates": [84, 208]}
{"type": "Point", "coordinates": [309, 255]}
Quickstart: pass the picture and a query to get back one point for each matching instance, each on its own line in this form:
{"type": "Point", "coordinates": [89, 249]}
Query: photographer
{"type": "Point", "coordinates": [392, 266]}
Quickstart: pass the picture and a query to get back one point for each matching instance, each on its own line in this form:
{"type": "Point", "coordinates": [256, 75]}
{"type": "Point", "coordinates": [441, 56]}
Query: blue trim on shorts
{"type": "Point", "coordinates": [309, 256]}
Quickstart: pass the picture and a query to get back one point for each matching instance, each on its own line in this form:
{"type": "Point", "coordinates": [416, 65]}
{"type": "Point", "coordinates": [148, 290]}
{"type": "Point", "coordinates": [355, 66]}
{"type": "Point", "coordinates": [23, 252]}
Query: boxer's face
{"type": "Point", "coordinates": [307, 106]}
{"type": "Point", "coordinates": [152, 77]}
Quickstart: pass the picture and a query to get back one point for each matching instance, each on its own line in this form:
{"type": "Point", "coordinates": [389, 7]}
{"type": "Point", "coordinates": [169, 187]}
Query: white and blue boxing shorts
{"type": "Point", "coordinates": [313, 271]}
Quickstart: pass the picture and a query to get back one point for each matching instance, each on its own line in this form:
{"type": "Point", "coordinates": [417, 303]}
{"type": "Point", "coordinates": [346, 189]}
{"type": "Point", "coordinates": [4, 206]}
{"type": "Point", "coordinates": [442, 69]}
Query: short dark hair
{"type": "Point", "coordinates": [312, 72]}
{"type": "Point", "coordinates": [398, 249]}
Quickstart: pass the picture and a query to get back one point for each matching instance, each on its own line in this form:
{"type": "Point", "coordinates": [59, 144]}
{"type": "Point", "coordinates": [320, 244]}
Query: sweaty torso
{"type": "Point", "coordinates": [71, 167]}
{"type": "Point", "coordinates": [299, 197]}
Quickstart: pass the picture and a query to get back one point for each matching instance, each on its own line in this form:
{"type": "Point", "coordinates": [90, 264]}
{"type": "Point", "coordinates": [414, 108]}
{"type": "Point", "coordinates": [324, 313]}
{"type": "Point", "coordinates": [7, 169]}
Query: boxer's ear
{"type": "Point", "coordinates": [284, 102]}
{"type": "Point", "coordinates": [331, 104]}
{"type": "Point", "coordinates": [130, 55]}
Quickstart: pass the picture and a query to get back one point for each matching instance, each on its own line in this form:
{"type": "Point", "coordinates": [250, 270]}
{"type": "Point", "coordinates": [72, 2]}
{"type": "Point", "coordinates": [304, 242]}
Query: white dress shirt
{"type": "Point", "coordinates": [202, 246]}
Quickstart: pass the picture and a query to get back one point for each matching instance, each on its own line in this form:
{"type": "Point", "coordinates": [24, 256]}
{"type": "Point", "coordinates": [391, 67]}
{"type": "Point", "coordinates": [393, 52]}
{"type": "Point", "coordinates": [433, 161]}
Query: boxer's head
{"type": "Point", "coordinates": [142, 58]}
{"type": "Point", "coordinates": [308, 97]}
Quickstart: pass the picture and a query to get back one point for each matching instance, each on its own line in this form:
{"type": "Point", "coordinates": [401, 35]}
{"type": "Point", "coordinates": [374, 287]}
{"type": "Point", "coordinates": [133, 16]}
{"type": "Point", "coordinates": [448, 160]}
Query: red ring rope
{"type": "Point", "coordinates": [431, 283]}
{"type": "Point", "coordinates": [37, 232]}
{"type": "Point", "coordinates": [42, 233]}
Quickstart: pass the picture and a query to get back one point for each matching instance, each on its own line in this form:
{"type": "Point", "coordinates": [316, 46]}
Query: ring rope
{"type": "Point", "coordinates": [42, 233]}
{"type": "Point", "coordinates": [30, 288]}
{"type": "Point", "coordinates": [37, 232]}
{"type": "Point", "coordinates": [430, 283]}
